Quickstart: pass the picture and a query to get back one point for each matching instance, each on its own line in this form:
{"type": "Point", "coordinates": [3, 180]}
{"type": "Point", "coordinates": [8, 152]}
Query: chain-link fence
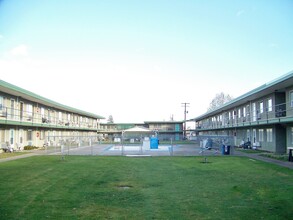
{"type": "Point", "coordinates": [135, 145]}
{"type": "Point", "coordinates": [62, 144]}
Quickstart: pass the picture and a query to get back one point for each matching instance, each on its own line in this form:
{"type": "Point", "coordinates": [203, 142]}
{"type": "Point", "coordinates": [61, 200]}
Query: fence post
{"type": "Point", "coordinates": [171, 146]}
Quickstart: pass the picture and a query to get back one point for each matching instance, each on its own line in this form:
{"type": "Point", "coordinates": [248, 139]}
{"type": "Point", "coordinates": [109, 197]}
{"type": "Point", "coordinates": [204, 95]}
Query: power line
{"type": "Point", "coordinates": [185, 105]}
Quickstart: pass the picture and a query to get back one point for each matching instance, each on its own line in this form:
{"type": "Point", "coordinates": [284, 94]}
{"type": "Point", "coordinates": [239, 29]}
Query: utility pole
{"type": "Point", "coordinates": [185, 105]}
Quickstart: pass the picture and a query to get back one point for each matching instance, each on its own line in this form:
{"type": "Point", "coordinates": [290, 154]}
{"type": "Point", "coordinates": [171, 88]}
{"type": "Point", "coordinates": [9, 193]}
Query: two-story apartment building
{"type": "Point", "coordinates": [109, 131]}
{"type": "Point", "coordinates": [29, 119]}
{"type": "Point", "coordinates": [263, 116]}
{"type": "Point", "coordinates": [165, 129]}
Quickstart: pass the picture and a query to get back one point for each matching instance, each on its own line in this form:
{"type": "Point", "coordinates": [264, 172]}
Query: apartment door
{"type": "Point", "coordinates": [280, 102]}
{"type": "Point", "coordinates": [248, 135]}
{"type": "Point", "coordinates": [21, 137]}
{"type": "Point", "coordinates": [253, 112]}
{"type": "Point", "coordinates": [11, 137]}
{"type": "Point", "coordinates": [254, 136]}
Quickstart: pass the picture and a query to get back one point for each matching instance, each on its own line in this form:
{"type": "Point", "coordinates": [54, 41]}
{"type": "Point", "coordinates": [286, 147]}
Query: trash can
{"type": "Point", "coordinates": [290, 156]}
{"type": "Point", "coordinates": [225, 149]}
{"type": "Point", "coordinates": [154, 143]}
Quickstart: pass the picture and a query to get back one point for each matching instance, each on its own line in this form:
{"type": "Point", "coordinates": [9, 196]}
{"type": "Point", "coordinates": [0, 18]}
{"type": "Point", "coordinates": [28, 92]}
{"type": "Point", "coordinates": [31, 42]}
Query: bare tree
{"type": "Point", "coordinates": [219, 100]}
{"type": "Point", "coordinates": [110, 119]}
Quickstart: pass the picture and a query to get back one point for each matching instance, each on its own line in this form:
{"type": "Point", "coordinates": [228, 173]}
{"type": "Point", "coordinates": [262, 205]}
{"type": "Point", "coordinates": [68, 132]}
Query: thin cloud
{"type": "Point", "coordinates": [21, 50]}
{"type": "Point", "coordinates": [1, 36]}
{"type": "Point", "coordinates": [240, 12]}
{"type": "Point", "coordinates": [273, 45]}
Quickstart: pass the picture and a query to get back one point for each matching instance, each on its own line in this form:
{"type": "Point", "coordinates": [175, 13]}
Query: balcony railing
{"type": "Point", "coordinates": [272, 115]}
{"type": "Point", "coordinates": [12, 115]}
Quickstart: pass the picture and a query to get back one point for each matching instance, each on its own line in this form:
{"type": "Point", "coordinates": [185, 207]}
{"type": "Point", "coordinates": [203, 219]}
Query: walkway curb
{"type": "Point", "coordinates": [265, 159]}
{"type": "Point", "coordinates": [18, 157]}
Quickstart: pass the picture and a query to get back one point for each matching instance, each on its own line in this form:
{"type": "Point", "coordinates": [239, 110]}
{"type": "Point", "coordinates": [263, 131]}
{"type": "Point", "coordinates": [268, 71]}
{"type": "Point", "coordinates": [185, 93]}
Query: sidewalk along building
{"type": "Point", "coordinates": [29, 119]}
{"type": "Point", "coordinates": [263, 117]}
{"type": "Point", "coordinates": [165, 129]}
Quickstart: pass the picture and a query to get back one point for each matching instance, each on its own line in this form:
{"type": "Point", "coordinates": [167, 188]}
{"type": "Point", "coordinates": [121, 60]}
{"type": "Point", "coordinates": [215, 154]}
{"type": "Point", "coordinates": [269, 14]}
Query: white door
{"type": "Point", "coordinates": [254, 135]}
{"type": "Point", "coordinates": [11, 137]}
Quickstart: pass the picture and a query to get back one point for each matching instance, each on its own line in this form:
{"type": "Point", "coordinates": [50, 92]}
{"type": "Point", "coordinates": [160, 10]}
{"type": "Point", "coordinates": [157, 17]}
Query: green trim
{"type": "Point", "coordinates": [48, 101]}
{"type": "Point", "coordinates": [251, 124]}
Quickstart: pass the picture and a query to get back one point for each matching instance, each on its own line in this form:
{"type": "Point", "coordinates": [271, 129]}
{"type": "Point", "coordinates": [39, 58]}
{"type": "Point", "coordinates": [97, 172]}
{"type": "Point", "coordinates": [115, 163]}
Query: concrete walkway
{"type": "Point", "coordinates": [18, 157]}
{"type": "Point", "coordinates": [256, 156]}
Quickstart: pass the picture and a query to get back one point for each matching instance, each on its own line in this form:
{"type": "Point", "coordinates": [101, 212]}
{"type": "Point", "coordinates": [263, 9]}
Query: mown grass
{"type": "Point", "coordinates": [86, 187]}
{"type": "Point", "coordinates": [282, 157]}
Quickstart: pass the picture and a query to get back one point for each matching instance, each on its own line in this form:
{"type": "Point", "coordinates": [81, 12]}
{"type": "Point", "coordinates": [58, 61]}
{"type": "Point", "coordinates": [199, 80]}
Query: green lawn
{"type": "Point", "coordinates": [88, 187]}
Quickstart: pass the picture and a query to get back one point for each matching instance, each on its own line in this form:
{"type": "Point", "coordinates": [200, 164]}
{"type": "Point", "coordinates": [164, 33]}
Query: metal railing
{"type": "Point", "coordinates": [16, 115]}
{"type": "Point", "coordinates": [254, 116]}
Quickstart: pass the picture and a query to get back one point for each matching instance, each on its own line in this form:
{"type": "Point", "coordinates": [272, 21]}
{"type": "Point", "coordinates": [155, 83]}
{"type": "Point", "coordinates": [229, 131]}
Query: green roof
{"type": "Point", "coordinates": [20, 92]}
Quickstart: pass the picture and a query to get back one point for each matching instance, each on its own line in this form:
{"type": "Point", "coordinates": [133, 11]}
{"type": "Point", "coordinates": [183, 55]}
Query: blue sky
{"type": "Point", "coordinates": [139, 60]}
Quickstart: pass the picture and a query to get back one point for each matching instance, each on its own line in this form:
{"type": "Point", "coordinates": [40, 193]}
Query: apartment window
{"type": "Point", "coordinates": [239, 113]}
{"type": "Point", "coordinates": [43, 112]}
{"type": "Point", "coordinates": [248, 111]}
{"type": "Point", "coordinates": [291, 98]}
{"type": "Point", "coordinates": [29, 136]}
{"type": "Point", "coordinates": [254, 112]}
{"type": "Point", "coordinates": [2, 135]}
{"type": "Point", "coordinates": [234, 114]}
{"type": "Point", "coordinates": [260, 134]}
{"type": "Point", "coordinates": [1, 103]}
{"type": "Point", "coordinates": [60, 116]}
{"type": "Point", "coordinates": [29, 109]}
{"type": "Point", "coordinates": [12, 108]}
{"type": "Point", "coordinates": [291, 135]}
{"type": "Point", "coordinates": [269, 135]}
{"type": "Point", "coordinates": [270, 105]}
{"type": "Point", "coordinates": [261, 107]}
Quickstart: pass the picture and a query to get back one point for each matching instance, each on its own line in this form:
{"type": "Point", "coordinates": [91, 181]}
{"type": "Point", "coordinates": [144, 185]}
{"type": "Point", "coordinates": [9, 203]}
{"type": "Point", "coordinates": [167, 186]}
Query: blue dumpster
{"type": "Point", "coordinates": [154, 143]}
{"type": "Point", "coordinates": [225, 150]}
